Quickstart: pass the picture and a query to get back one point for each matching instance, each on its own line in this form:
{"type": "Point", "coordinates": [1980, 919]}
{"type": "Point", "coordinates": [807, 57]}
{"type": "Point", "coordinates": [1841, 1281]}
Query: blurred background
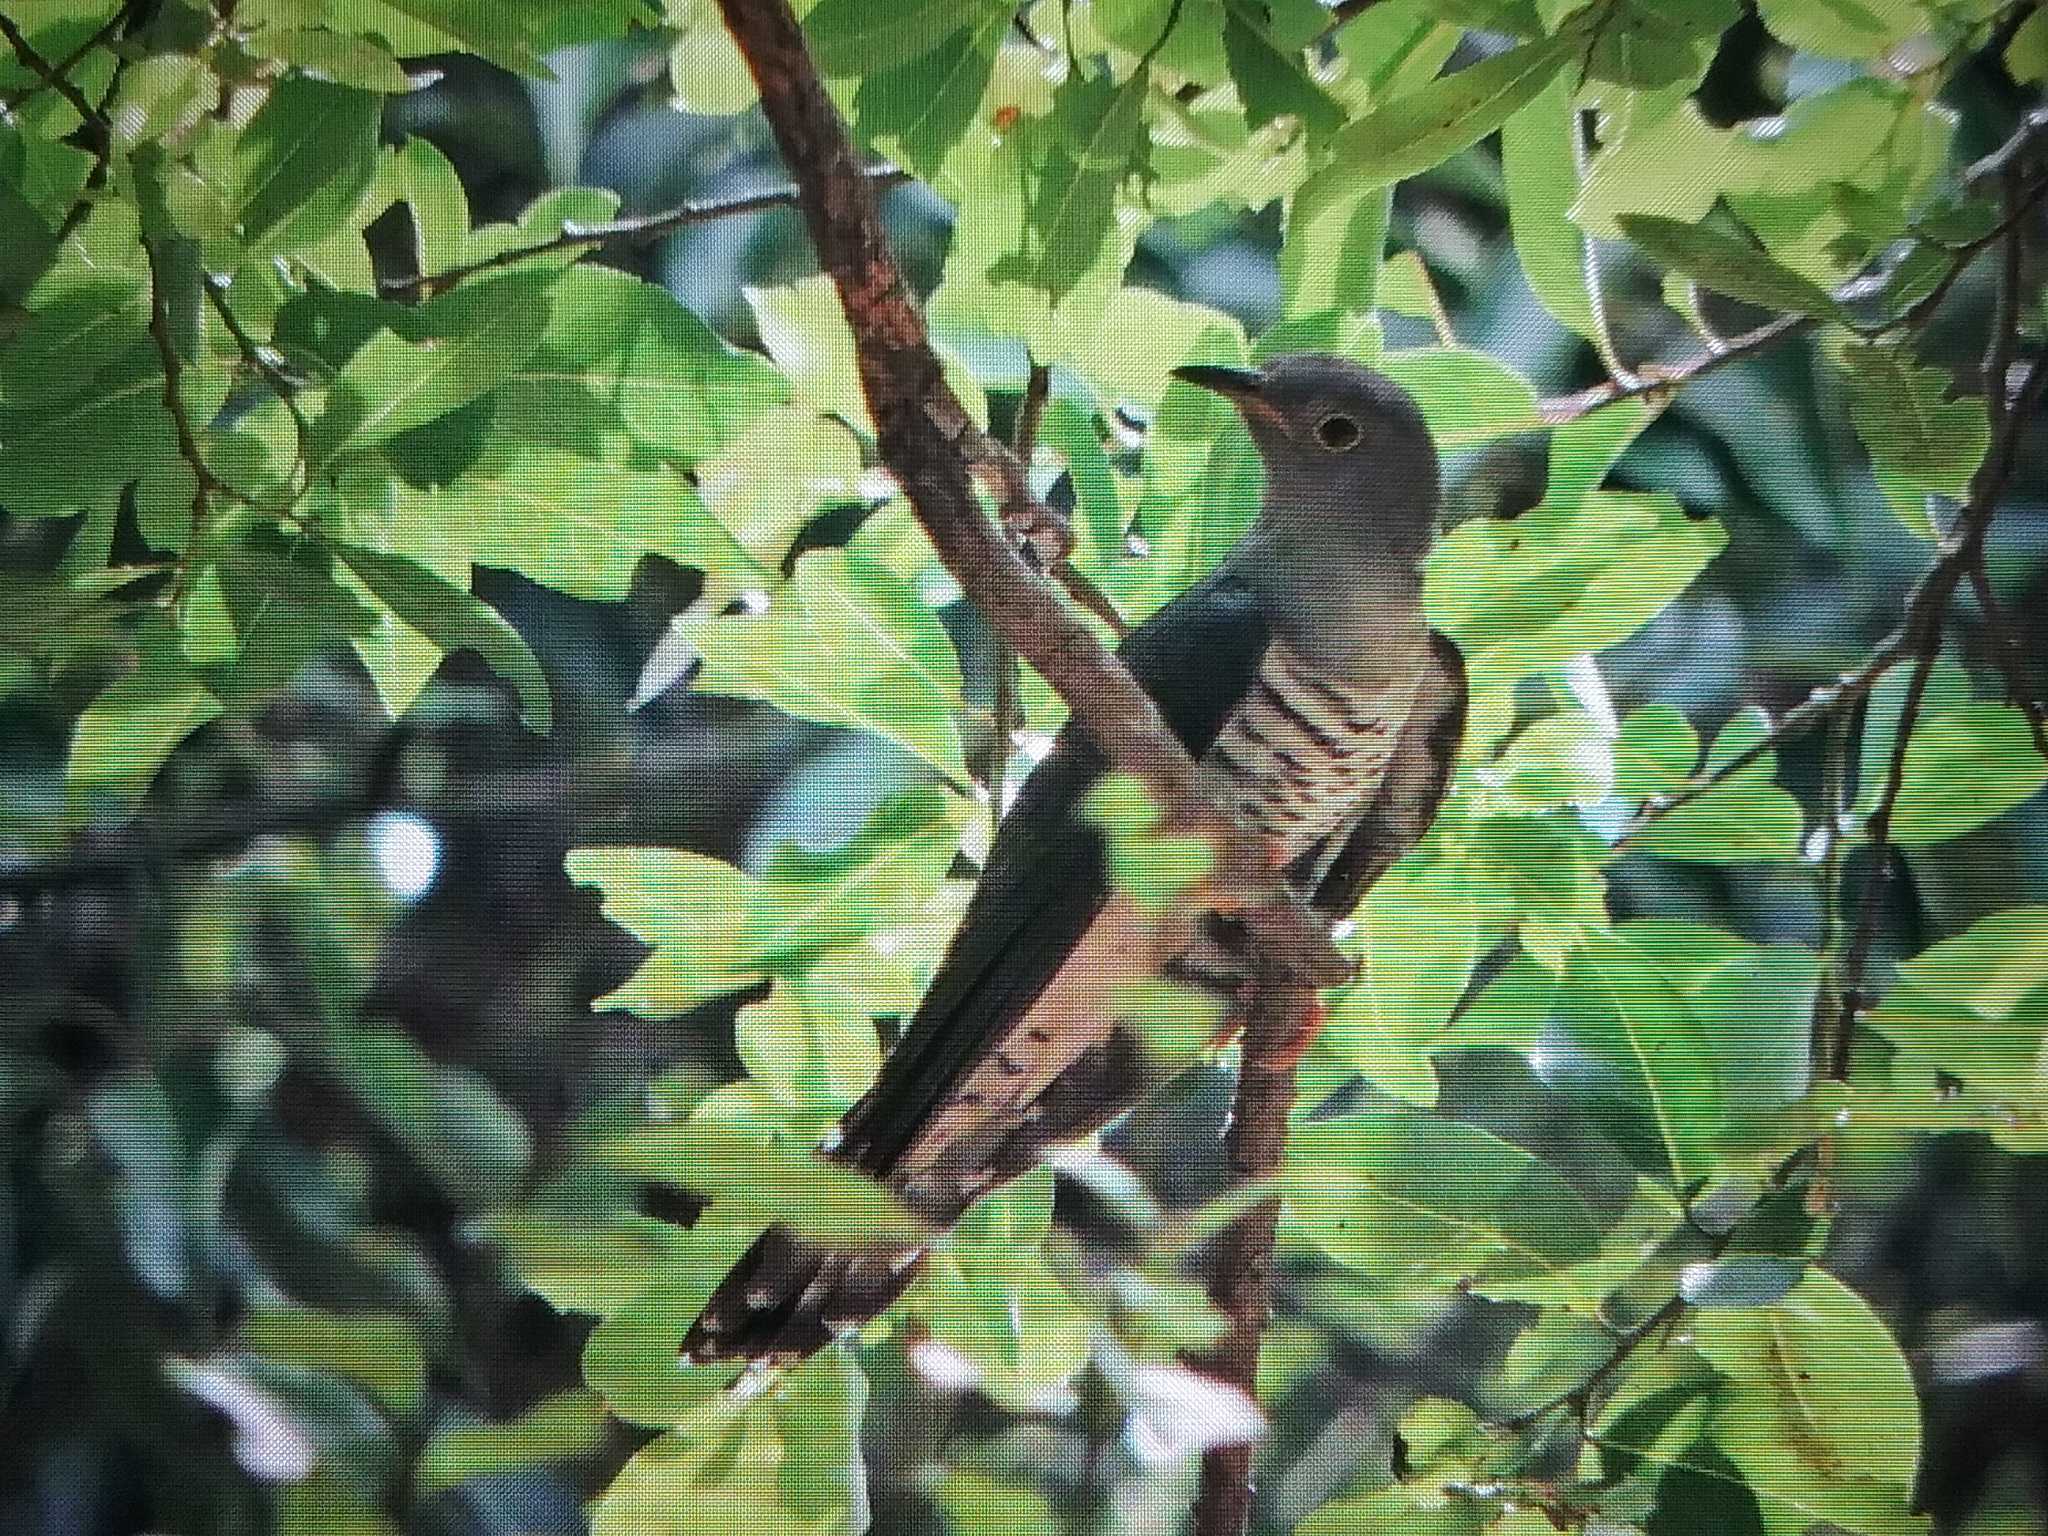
{"type": "Point", "coordinates": [145, 993]}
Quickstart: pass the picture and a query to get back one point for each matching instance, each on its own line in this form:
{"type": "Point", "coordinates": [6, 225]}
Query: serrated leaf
{"type": "Point", "coordinates": [454, 620]}
{"type": "Point", "coordinates": [1727, 264]}
{"type": "Point", "coordinates": [1413, 132]}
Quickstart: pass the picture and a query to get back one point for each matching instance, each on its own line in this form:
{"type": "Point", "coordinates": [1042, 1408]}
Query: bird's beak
{"type": "Point", "coordinates": [1236, 383]}
{"type": "Point", "coordinates": [1240, 386]}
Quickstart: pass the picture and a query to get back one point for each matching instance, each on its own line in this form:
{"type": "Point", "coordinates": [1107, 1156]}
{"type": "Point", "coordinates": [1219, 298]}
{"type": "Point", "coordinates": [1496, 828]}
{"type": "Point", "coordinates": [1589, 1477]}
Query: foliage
{"type": "Point", "coordinates": [282, 401]}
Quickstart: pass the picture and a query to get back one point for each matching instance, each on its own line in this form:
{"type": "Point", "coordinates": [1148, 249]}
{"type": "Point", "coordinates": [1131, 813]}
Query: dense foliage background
{"type": "Point", "coordinates": [383, 997]}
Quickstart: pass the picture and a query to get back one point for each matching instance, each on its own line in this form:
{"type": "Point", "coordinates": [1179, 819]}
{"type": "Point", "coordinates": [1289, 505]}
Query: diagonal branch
{"type": "Point", "coordinates": [933, 447]}
{"type": "Point", "coordinates": [647, 226]}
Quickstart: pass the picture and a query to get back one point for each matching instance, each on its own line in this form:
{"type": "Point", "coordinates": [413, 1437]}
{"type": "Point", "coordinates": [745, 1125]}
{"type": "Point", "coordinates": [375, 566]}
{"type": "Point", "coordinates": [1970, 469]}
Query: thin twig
{"type": "Point", "coordinates": [48, 73]}
{"type": "Point", "coordinates": [204, 483]}
{"type": "Point", "coordinates": [1659, 382]}
{"type": "Point", "coordinates": [647, 226]}
{"type": "Point", "coordinates": [257, 358]}
{"type": "Point", "coordinates": [932, 446]}
{"type": "Point", "coordinates": [1803, 716]}
{"type": "Point", "coordinates": [1241, 1266]}
{"type": "Point", "coordinates": [2008, 652]}
{"type": "Point", "coordinates": [63, 67]}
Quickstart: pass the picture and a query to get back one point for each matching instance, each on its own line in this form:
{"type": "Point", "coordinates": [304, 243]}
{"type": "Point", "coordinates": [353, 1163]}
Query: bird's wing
{"type": "Point", "coordinates": [1045, 885]}
{"type": "Point", "coordinates": [1412, 787]}
{"type": "Point", "coordinates": [1043, 907]}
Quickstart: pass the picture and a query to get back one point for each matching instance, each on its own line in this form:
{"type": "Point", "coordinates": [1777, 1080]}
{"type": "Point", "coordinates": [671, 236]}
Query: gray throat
{"type": "Point", "coordinates": [1346, 598]}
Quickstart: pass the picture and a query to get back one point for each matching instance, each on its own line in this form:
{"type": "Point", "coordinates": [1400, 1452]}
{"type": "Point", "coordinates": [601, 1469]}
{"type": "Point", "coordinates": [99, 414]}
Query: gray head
{"type": "Point", "coordinates": [1351, 472]}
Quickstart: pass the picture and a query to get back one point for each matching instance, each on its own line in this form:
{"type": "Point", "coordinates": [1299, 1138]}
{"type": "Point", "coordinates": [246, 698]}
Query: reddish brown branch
{"type": "Point", "coordinates": [1241, 1268]}
{"type": "Point", "coordinates": [931, 446]}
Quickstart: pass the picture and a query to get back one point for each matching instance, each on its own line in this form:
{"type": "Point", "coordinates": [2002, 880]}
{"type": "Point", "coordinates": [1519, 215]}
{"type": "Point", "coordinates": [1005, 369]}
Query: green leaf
{"type": "Point", "coordinates": [1746, 816]}
{"type": "Point", "coordinates": [1845, 29]}
{"type": "Point", "coordinates": [856, 37]}
{"type": "Point", "coordinates": [1818, 1374]}
{"type": "Point", "coordinates": [1423, 128]}
{"type": "Point", "coordinates": [746, 1176]}
{"type": "Point", "coordinates": [1524, 594]}
{"type": "Point", "coordinates": [120, 411]}
{"type": "Point", "coordinates": [809, 1047]}
{"type": "Point", "coordinates": [1466, 396]}
{"type": "Point", "coordinates": [784, 1460]}
{"type": "Point", "coordinates": [1270, 79]}
{"type": "Point", "coordinates": [2026, 56]}
{"type": "Point", "coordinates": [455, 347]}
{"type": "Point", "coordinates": [303, 163]}
{"type": "Point", "coordinates": [1370, 1190]}
{"type": "Point", "coordinates": [1963, 767]}
{"type": "Point", "coordinates": [123, 736]}
{"type": "Point", "coordinates": [1628, 1045]}
{"type": "Point", "coordinates": [378, 1351]}
{"type": "Point", "coordinates": [1727, 264]}
{"type": "Point", "coordinates": [449, 1119]}
{"type": "Point", "coordinates": [1920, 442]}
{"type": "Point", "coordinates": [621, 356]}
{"type": "Point", "coordinates": [556, 1428]}
{"type": "Point", "coordinates": [1540, 155]}
{"type": "Point", "coordinates": [847, 642]}
{"type": "Point", "coordinates": [706, 69]}
{"type": "Point", "coordinates": [1975, 1007]}
{"type": "Point", "coordinates": [919, 109]}
{"type": "Point", "coordinates": [1076, 159]}
{"type": "Point", "coordinates": [454, 620]}
{"type": "Point", "coordinates": [579, 527]}
{"type": "Point", "coordinates": [1651, 43]}
{"type": "Point", "coordinates": [595, 1265]}
{"type": "Point", "coordinates": [714, 929]}
{"type": "Point", "coordinates": [1417, 936]}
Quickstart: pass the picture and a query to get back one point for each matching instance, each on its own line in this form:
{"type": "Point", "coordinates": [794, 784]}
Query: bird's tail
{"type": "Point", "coordinates": [786, 1298]}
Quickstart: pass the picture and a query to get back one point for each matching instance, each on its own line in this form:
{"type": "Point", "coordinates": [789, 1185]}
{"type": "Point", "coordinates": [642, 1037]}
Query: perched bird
{"type": "Point", "coordinates": [1324, 715]}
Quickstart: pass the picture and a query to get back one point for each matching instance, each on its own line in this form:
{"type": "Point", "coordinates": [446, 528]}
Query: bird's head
{"type": "Point", "coordinates": [1348, 457]}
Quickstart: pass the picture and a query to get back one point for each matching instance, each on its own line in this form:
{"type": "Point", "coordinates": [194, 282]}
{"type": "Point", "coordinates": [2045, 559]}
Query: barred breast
{"type": "Point", "coordinates": [1303, 750]}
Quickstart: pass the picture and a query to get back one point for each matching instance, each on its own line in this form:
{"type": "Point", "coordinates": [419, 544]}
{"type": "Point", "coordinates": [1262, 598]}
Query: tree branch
{"type": "Point", "coordinates": [930, 444]}
{"type": "Point", "coordinates": [51, 75]}
{"type": "Point", "coordinates": [648, 226]}
{"type": "Point", "coordinates": [1241, 1267]}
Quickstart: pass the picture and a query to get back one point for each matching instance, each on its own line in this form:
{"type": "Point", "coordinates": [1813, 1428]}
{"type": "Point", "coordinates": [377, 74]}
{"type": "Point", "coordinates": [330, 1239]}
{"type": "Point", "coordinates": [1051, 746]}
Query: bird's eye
{"type": "Point", "coordinates": [1337, 432]}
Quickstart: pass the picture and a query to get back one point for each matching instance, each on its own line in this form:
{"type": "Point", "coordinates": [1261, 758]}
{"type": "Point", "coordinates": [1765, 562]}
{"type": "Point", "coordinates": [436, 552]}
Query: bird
{"type": "Point", "coordinates": [1325, 716]}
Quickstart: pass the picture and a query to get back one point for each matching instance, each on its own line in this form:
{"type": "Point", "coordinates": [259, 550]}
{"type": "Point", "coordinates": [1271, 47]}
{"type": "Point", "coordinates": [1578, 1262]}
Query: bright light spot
{"type": "Point", "coordinates": [10, 912]}
{"type": "Point", "coordinates": [944, 1366]}
{"type": "Point", "coordinates": [1137, 546]}
{"type": "Point", "coordinates": [1815, 848]}
{"type": "Point", "coordinates": [937, 588]}
{"type": "Point", "coordinates": [875, 486]}
{"type": "Point", "coordinates": [753, 600]}
{"type": "Point", "coordinates": [1176, 1412]}
{"type": "Point", "coordinates": [1342, 929]}
{"type": "Point", "coordinates": [407, 852]}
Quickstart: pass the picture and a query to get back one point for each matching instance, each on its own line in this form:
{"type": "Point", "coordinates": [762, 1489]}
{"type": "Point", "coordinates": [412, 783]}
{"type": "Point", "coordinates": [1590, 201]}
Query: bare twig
{"type": "Point", "coordinates": [2032, 127]}
{"type": "Point", "coordinates": [1659, 382]}
{"type": "Point", "coordinates": [61, 70]}
{"type": "Point", "coordinates": [929, 443]}
{"type": "Point", "coordinates": [647, 226]}
{"type": "Point", "coordinates": [2007, 651]}
{"type": "Point", "coordinates": [1803, 716]}
{"type": "Point", "coordinates": [204, 483]}
{"type": "Point", "coordinates": [1241, 1267]}
{"type": "Point", "coordinates": [266, 367]}
{"type": "Point", "coordinates": [51, 75]}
